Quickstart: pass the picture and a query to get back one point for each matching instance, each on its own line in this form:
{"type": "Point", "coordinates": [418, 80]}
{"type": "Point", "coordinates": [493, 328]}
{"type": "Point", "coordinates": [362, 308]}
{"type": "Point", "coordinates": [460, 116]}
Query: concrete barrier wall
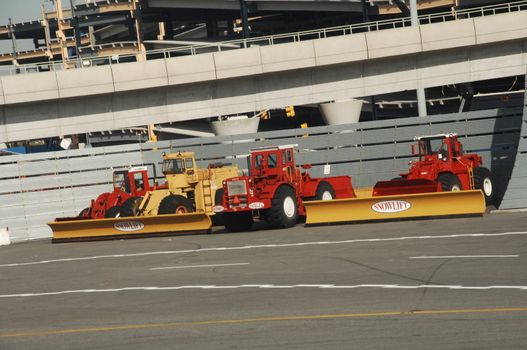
{"type": "Point", "coordinates": [175, 103]}
{"type": "Point", "coordinates": [264, 59]}
{"type": "Point", "coordinates": [36, 188]}
{"type": "Point", "coordinates": [394, 42]}
{"type": "Point", "coordinates": [86, 82]}
{"type": "Point", "coordinates": [230, 64]}
{"type": "Point", "coordinates": [30, 87]}
{"type": "Point", "coordinates": [340, 49]}
{"type": "Point", "coordinates": [447, 35]}
{"type": "Point", "coordinates": [506, 26]}
{"type": "Point", "coordinates": [149, 74]}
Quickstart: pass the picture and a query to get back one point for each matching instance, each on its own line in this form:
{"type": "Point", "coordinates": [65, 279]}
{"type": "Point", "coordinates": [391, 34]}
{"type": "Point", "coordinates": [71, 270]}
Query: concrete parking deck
{"type": "Point", "coordinates": [263, 77]}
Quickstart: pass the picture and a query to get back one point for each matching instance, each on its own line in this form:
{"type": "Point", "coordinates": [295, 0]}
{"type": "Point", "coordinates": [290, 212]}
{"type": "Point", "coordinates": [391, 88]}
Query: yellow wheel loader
{"type": "Point", "coordinates": [185, 204]}
{"type": "Point", "coordinates": [188, 188]}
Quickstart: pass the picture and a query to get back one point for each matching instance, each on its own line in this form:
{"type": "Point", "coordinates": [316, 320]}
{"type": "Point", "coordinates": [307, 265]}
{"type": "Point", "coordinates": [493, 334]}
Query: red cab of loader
{"type": "Point", "coordinates": [442, 166]}
{"type": "Point", "coordinates": [275, 190]}
{"type": "Point", "coordinates": [127, 185]}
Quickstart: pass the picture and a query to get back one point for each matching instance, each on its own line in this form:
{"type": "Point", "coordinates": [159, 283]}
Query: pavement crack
{"type": "Point", "coordinates": [428, 281]}
{"type": "Point", "coordinates": [386, 272]}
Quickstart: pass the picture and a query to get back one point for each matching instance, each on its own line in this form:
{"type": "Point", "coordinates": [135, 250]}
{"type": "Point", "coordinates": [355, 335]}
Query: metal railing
{"type": "Point", "coordinates": [268, 40]}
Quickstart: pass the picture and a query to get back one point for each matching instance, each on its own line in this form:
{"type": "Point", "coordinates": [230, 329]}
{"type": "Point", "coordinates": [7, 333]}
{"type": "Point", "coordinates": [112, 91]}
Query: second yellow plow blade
{"type": "Point", "coordinates": [395, 207]}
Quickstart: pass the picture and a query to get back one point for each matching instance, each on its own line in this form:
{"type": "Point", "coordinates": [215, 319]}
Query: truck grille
{"type": "Point", "coordinates": [236, 188]}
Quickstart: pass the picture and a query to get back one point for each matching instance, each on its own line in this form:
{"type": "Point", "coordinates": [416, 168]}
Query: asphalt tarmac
{"type": "Point", "coordinates": [430, 284]}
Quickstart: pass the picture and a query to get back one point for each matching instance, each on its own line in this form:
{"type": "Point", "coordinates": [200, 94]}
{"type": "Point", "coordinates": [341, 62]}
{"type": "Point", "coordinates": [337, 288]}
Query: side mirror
{"type": "Point", "coordinates": [413, 150]}
{"type": "Point", "coordinates": [306, 166]}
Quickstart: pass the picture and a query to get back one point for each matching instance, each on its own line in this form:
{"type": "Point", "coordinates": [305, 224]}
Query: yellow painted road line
{"type": "Point", "coordinates": [261, 319]}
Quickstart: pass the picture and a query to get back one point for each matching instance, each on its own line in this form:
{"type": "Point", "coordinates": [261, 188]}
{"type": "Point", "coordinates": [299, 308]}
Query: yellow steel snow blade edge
{"type": "Point", "coordinates": [395, 207]}
{"type": "Point", "coordinates": [138, 226]}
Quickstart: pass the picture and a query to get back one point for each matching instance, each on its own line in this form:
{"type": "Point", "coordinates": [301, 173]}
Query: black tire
{"type": "Point", "coordinates": [284, 208]}
{"type": "Point", "coordinates": [113, 212]}
{"type": "Point", "coordinates": [130, 207]}
{"type": "Point", "coordinates": [175, 204]}
{"type": "Point", "coordinates": [324, 189]}
{"type": "Point", "coordinates": [217, 218]}
{"type": "Point", "coordinates": [84, 213]}
{"type": "Point", "coordinates": [238, 222]}
{"type": "Point", "coordinates": [449, 182]}
{"type": "Point", "coordinates": [483, 181]}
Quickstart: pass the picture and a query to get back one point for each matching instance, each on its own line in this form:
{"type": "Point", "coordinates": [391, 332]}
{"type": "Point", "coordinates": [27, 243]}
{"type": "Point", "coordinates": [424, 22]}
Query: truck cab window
{"type": "Point", "coordinates": [173, 166]}
{"type": "Point", "coordinates": [272, 160]}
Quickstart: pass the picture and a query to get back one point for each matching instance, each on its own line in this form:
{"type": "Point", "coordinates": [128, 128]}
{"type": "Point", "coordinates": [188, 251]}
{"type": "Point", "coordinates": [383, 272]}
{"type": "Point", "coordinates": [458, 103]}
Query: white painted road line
{"type": "Point", "coordinates": [193, 266]}
{"type": "Point", "coordinates": [264, 246]}
{"type": "Point", "coordinates": [461, 256]}
{"type": "Point", "coordinates": [269, 286]}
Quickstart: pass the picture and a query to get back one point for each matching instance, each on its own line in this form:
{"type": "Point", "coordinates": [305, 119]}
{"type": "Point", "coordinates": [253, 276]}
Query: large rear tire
{"type": "Point", "coordinates": [238, 222]}
{"type": "Point", "coordinates": [449, 182]}
{"type": "Point", "coordinates": [175, 204]}
{"type": "Point", "coordinates": [325, 192]}
{"type": "Point", "coordinates": [130, 207]}
{"type": "Point", "coordinates": [84, 213]}
{"type": "Point", "coordinates": [483, 181]}
{"type": "Point", "coordinates": [284, 208]}
{"type": "Point", "coordinates": [113, 212]}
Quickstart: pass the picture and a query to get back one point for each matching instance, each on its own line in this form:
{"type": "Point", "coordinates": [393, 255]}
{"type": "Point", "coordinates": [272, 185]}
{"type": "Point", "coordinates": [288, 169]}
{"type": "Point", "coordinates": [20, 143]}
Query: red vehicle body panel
{"type": "Point", "coordinates": [135, 183]}
{"type": "Point", "coordinates": [438, 154]}
{"type": "Point", "coordinates": [271, 168]}
{"type": "Point", "coordinates": [449, 158]}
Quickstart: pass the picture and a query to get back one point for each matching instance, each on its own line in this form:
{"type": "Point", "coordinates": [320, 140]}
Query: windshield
{"type": "Point", "coordinates": [272, 160]}
{"type": "Point", "coordinates": [432, 146]}
{"type": "Point", "coordinates": [265, 161]}
{"type": "Point", "coordinates": [173, 166]}
{"type": "Point", "coordinates": [120, 181]}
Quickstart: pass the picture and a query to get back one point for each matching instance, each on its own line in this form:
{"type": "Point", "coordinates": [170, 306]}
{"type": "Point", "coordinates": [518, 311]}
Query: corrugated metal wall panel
{"type": "Point", "coordinates": [8, 170]}
{"type": "Point", "coordinates": [82, 163]}
{"type": "Point", "coordinates": [516, 194]}
{"type": "Point", "coordinates": [407, 133]}
{"type": "Point", "coordinates": [38, 167]}
{"type": "Point", "coordinates": [446, 128]}
{"type": "Point", "coordinates": [9, 186]}
{"type": "Point", "coordinates": [379, 151]}
{"type": "Point", "coordinates": [9, 200]}
{"type": "Point", "coordinates": [377, 136]}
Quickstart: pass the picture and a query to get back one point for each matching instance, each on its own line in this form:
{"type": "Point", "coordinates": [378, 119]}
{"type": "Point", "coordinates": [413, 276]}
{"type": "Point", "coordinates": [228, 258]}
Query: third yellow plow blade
{"type": "Point", "coordinates": [395, 207]}
{"type": "Point", "coordinates": [138, 226]}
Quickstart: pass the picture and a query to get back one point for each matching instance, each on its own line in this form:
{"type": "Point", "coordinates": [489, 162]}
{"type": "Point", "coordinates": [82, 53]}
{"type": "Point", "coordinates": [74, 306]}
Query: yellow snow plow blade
{"type": "Point", "coordinates": [363, 192]}
{"type": "Point", "coordinates": [395, 207]}
{"type": "Point", "coordinates": [138, 226]}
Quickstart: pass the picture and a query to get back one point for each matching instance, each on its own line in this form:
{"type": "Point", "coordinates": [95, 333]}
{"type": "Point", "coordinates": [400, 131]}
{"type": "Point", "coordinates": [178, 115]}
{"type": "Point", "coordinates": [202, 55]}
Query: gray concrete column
{"type": "Point", "coordinates": [421, 96]}
{"type": "Point", "coordinates": [421, 102]}
{"type": "Point", "coordinates": [413, 13]}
